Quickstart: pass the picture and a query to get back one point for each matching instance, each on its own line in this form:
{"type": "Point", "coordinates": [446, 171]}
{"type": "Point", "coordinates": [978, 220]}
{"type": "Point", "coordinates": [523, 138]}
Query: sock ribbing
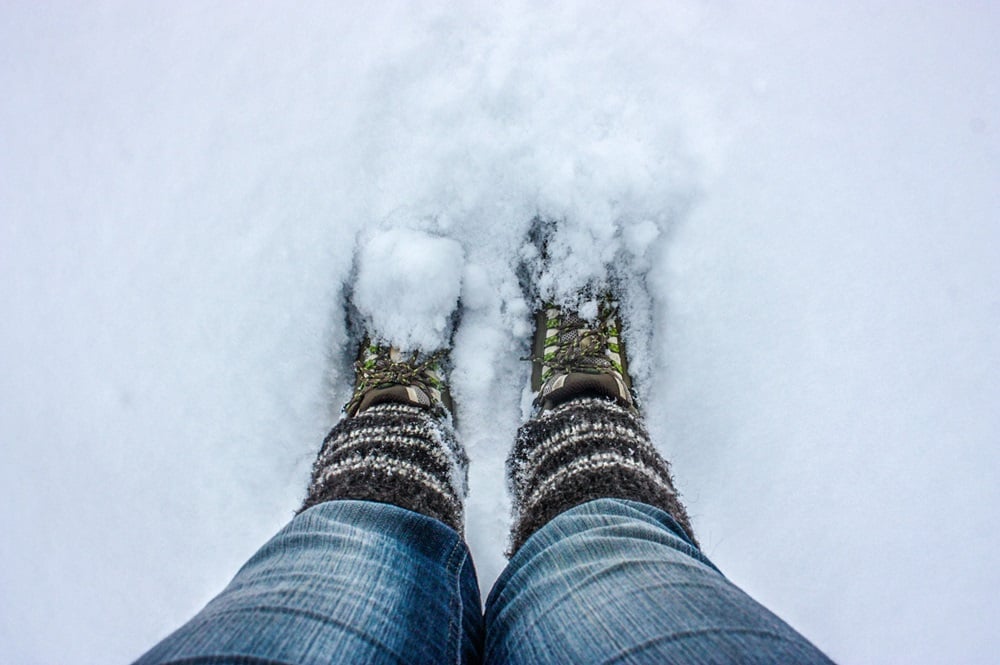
{"type": "Point", "coordinates": [585, 449]}
{"type": "Point", "coordinates": [393, 453]}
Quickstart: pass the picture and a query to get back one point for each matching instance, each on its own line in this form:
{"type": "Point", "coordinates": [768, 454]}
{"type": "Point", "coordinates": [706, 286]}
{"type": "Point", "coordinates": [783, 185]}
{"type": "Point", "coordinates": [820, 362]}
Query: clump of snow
{"type": "Point", "coordinates": [639, 236]}
{"type": "Point", "coordinates": [588, 310]}
{"type": "Point", "coordinates": [408, 286]}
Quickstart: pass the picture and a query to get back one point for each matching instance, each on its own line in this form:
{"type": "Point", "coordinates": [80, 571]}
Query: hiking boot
{"type": "Point", "coordinates": [574, 357]}
{"type": "Point", "coordinates": [383, 373]}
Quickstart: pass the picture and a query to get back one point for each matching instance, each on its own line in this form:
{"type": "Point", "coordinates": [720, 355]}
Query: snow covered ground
{"type": "Point", "coordinates": [805, 193]}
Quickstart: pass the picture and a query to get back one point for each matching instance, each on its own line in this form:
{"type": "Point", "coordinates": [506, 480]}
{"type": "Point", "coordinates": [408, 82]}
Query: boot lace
{"type": "Point", "coordinates": [377, 369]}
{"type": "Point", "coordinates": [580, 345]}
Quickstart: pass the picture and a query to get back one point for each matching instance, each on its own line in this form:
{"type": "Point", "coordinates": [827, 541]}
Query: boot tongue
{"type": "Point", "coordinates": [582, 384]}
{"type": "Point", "coordinates": [399, 394]}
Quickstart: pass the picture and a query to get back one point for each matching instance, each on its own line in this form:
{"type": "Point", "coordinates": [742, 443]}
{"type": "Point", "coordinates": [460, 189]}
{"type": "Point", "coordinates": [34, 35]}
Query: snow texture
{"type": "Point", "coordinates": [407, 288]}
{"type": "Point", "coordinates": [800, 199]}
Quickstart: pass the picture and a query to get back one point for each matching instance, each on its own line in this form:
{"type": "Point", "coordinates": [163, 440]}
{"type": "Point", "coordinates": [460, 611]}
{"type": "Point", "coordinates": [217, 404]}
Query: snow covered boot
{"type": "Point", "coordinates": [586, 439]}
{"type": "Point", "coordinates": [396, 443]}
{"type": "Point", "coordinates": [574, 352]}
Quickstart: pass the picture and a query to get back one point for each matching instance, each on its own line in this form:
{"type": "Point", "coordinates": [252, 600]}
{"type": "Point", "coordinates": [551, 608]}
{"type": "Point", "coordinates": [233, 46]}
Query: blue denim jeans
{"type": "Point", "coordinates": [609, 581]}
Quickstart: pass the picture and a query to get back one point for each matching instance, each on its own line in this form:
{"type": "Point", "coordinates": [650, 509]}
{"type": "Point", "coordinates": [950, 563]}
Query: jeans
{"type": "Point", "coordinates": [609, 581]}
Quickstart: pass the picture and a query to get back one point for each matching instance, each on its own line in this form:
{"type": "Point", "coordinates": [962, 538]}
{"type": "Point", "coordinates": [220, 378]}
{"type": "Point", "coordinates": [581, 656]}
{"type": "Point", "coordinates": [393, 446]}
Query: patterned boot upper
{"type": "Point", "coordinates": [574, 356]}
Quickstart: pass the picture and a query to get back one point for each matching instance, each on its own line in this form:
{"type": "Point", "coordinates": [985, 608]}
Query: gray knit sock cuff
{"type": "Point", "coordinates": [393, 453]}
{"type": "Point", "coordinates": [585, 449]}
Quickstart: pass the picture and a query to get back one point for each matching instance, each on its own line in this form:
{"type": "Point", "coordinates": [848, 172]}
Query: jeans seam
{"type": "Point", "coordinates": [455, 620]}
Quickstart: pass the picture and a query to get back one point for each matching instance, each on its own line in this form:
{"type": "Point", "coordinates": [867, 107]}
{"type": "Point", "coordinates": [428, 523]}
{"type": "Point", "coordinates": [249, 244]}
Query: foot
{"type": "Point", "coordinates": [579, 356]}
{"type": "Point", "coordinates": [383, 373]}
{"type": "Point", "coordinates": [396, 444]}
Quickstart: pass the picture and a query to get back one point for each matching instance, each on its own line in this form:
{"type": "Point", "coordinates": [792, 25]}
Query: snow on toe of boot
{"type": "Point", "coordinates": [408, 286]}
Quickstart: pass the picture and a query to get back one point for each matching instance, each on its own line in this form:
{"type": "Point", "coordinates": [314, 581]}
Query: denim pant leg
{"type": "Point", "coordinates": [614, 581]}
{"type": "Point", "coordinates": [344, 582]}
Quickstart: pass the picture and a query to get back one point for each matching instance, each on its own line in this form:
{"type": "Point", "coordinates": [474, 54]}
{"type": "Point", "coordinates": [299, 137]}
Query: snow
{"type": "Point", "coordinates": [802, 197]}
{"type": "Point", "coordinates": [407, 288]}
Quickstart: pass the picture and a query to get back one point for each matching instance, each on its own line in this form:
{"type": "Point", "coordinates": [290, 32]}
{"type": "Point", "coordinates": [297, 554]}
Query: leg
{"type": "Point", "coordinates": [344, 582]}
{"type": "Point", "coordinates": [616, 581]}
{"type": "Point", "coordinates": [373, 569]}
{"type": "Point", "coordinates": [605, 566]}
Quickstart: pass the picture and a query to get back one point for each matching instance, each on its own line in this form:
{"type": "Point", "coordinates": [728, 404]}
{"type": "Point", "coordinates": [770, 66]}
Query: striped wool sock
{"type": "Point", "coordinates": [584, 449]}
{"type": "Point", "coordinates": [393, 453]}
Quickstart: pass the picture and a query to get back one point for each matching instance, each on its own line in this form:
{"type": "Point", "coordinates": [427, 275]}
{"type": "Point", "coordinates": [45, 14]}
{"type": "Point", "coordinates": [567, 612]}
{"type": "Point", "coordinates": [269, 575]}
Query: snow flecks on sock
{"type": "Point", "coordinates": [394, 453]}
{"type": "Point", "coordinates": [585, 449]}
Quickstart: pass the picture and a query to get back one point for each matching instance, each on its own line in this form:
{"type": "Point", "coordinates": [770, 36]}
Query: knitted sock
{"type": "Point", "coordinates": [393, 453]}
{"type": "Point", "coordinates": [584, 449]}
